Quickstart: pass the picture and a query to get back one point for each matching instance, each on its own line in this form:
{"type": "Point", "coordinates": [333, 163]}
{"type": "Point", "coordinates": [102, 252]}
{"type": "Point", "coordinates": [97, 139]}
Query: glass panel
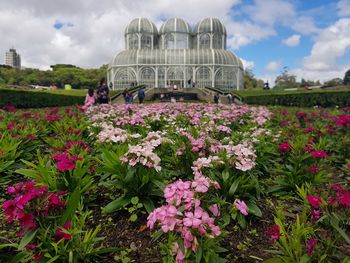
{"type": "Point", "coordinates": [204, 41]}
{"type": "Point", "coordinates": [169, 41]}
{"type": "Point", "coordinates": [133, 41]}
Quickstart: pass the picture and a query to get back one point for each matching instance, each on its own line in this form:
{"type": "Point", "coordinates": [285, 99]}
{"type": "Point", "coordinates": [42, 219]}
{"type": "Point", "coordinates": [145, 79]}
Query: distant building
{"type": "Point", "coordinates": [12, 58]}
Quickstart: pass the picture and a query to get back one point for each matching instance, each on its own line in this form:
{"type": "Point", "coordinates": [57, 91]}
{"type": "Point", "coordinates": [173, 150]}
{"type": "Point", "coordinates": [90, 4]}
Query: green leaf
{"type": "Point", "coordinates": [254, 209]}
{"type": "Point", "coordinates": [233, 187]}
{"type": "Point", "coordinates": [116, 204]}
{"type": "Point", "coordinates": [26, 239]}
{"type": "Point", "coordinates": [133, 218]}
{"type": "Point", "coordinates": [149, 205]}
{"type": "Point", "coordinates": [199, 254]}
{"type": "Point", "coordinates": [305, 259]}
{"type": "Point", "coordinates": [19, 257]}
{"type": "Point", "coordinates": [225, 175]}
{"type": "Point", "coordinates": [335, 224]}
{"type": "Point", "coordinates": [134, 200]}
{"type": "Point", "coordinates": [273, 260]}
{"type": "Point", "coordinates": [73, 203]}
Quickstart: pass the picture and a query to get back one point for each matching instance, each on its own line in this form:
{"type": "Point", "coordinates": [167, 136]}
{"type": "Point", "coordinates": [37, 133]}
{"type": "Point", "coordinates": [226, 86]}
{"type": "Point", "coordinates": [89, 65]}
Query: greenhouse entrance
{"type": "Point", "coordinates": [175, 84]}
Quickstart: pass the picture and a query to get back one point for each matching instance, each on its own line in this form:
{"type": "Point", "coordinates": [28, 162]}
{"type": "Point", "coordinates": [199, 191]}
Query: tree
{"type": "Point", "coordinates": [334, 82]}
{"type": "Point", "coordinates": [346, 80]}
{"type": "Point", "coordinates": [285, 80]}
{"type": "Point", "coordinates": [250, 82]}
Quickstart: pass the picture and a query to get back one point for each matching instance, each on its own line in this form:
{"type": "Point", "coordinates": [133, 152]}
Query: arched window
{"type": "Point", "coordinates": [146, 42]}
{"type": "Point", "coordinates": [169, 41]}
{"type": "Point", "coordinates": [133, 41]}
{"type": "Point", "coordinates": [204, 41]}
{"type": "Point", "coordinates": [147, 77]}
{"type": "Point", "coordinates": [217, 41]}
{"type": "Point", "coordinates": [203, 77]}
{"type": "Point", "coordinates": [124, 78]}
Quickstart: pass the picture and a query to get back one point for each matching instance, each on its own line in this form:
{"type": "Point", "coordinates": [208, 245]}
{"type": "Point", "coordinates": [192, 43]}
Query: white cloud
{"type": "Point", "coordinates": [292, 41]}
{"type": "Point", "coordinates": [343, 7]}
{"type": "Point", "coordinates": [273, 66]}
{"type": "Point", "coordinates": [269, 11]}
{"type": "Point", "coordinates": [304, 25]}
{"type": "Point", "coordinates": [96, 31]}
{"type": "Point", "coordinates": [331, 44]}
{"type": "Point", "coordinates": [247, 64]}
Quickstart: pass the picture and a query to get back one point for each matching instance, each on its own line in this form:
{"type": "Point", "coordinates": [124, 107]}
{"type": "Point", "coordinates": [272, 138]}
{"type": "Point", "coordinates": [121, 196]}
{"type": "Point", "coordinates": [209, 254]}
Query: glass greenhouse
{"type": "Point", "coordinates": [176, 55]}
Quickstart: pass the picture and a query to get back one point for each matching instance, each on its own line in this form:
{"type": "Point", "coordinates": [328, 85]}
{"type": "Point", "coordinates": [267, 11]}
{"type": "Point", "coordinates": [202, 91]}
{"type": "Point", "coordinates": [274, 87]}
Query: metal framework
{"type": "Point", "coordinates": [176, 55]}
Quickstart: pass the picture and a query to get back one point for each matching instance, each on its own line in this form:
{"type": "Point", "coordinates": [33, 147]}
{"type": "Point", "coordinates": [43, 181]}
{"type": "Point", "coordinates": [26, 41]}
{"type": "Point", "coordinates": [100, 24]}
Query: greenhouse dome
{"type": "Point", "coordinates": [176, 55]}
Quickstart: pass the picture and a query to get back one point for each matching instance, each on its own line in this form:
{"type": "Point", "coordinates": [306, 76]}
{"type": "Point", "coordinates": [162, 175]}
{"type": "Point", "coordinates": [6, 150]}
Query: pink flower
{"type": "Point", "coordinates": [319, 154]}
{"type": "Point", "coordinates": [314, 200]}
{"type": "Point", "coordinates": [348, 166]}
{"type": "Point", "coordinates": [310, 245]}
{"type": "Point", "coordinates": [241, 206]}
{"type": "Point", "coordinates": [192, 219]}
{"type": "Point", "coordinates": [215, 210]}
{"type": "Point", "coordinates": [274, 232]}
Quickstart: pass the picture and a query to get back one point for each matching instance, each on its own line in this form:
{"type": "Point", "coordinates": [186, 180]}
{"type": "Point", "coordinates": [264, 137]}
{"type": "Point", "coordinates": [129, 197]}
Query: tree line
{"type": "Point", "coordinates": [59, 75]}
{"type": "Point", "coordinates": [286, 80]}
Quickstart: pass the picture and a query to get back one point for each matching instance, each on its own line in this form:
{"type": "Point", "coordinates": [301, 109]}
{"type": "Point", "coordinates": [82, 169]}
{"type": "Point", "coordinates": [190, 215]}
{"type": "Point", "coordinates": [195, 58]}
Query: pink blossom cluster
{"type": "Point", "coordinates": [243, 155]}
{"type": "Point", "coordinates": [198, 145]}
{"type": "Point", "coordinates": [183, 214]}
{"type": "Point", "coordinates": [134, 119]}
{"type": "Point", "coordinates": [225, 129]}
{"type": "Point", "coordinates": [29, 203]}
{"type": "Point", "coordinates": [112, 134]}
{"type": "Point", "coordinates": [142, 154]}
{"type": "Point", "coordinates": [260, 114]}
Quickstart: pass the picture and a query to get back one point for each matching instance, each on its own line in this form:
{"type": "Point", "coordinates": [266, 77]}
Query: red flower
{"type": "Point", "coordinates": [62, 232]}
{"type": "Point", "coordinates": [310, 245]}
{"type": "Point", "coordinates": [284, 147]}
{"type": "Point", "coordinates": [316, 214]}
{"type": "Point", "coordinates": [9, 108]}
{"type": "Point", "coordinates": [338, 188]}
{"type": "Point", "coordinates": [314, 200]}
{"type": "Point", "coordinates": [319, 154]}
{"type": "Point", "coordinates": [65, 165]}
{"type": "Point", "coordinates": [348, 166]}
{"type": "Point", "coordinates": [274, 232]}
{"type": "Point", "coordinates": [11, 126]}
{"type": "Point", "coordinates": [313, 169]}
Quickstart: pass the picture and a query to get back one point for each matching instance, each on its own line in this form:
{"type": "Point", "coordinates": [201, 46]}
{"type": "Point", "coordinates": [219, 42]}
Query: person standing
{"type": "Point", "coordinates": [141, 95]}
{"type": "Point", "coordinates": [103, 92]}
{"type": "Point", "coordinates": [216, 98]}
{"type": "Point", "coordinates": [89, 99]}
{"type": "Point", "coordinates": [229, 97]}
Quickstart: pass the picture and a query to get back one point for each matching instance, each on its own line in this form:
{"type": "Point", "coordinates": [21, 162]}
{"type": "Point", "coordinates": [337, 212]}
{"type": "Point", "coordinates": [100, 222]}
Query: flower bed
{"type": "Point", "coordinates": [175, 182]}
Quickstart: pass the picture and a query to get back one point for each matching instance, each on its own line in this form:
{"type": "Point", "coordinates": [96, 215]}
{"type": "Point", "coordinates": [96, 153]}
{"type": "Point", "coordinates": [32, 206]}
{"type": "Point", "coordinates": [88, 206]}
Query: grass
{"type": "Point", "coordinates": [249, 93]}
{"type": "Point", "coordinates": [73, 92]}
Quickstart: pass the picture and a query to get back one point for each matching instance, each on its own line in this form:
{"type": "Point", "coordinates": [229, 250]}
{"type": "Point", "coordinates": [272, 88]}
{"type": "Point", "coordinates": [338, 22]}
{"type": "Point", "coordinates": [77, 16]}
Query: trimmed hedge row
{"type": "Point", "coordinates": [322, 99]}
{"type": "Point", "coordinates": [37, 99]}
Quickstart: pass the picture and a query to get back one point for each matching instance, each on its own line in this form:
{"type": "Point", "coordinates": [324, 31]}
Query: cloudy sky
{"type": "Point", "coordinates": [310, 37]}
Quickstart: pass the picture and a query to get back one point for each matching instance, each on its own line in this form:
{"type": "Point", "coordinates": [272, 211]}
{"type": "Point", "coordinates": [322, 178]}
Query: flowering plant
{"type": "Point", "coordinates": [188, 220]}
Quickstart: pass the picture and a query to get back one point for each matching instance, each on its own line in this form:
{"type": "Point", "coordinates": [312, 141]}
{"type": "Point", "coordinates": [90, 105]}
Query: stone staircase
{"type": "Point", "coordinates": [183, 94]}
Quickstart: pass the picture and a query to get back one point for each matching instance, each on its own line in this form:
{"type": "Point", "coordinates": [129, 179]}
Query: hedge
{"type": "Point", "coordinates": [322, 99]}
{"type": "Point", "coordinates": [37, 99]}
